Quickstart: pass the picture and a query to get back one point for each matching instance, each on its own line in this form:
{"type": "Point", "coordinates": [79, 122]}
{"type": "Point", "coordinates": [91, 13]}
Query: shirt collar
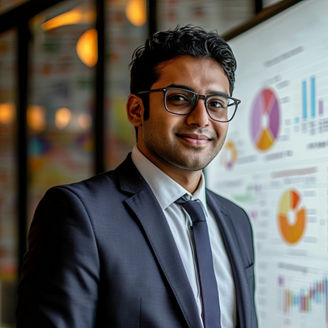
{"type": "Point", "coordinates": [165, 189]}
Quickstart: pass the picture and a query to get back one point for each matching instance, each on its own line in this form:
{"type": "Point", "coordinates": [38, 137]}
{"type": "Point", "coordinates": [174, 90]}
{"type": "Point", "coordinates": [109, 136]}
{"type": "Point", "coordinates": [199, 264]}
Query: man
{"type": "Point", "coordinates": [120, 249]}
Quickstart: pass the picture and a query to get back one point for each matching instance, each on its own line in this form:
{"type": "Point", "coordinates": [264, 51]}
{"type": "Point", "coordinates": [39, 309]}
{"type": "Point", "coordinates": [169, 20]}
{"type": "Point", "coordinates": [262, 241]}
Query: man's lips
{"type": "Point", "coordinates": [194, 138]}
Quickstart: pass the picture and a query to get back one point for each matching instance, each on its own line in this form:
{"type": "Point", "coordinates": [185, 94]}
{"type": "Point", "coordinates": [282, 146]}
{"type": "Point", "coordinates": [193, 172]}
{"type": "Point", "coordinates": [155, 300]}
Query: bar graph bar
{"type": "Point", "coordinates": [304, 97]}
{"type": "Point", "coordinates": [312, 81]}
{"type": "Point", "coordinates": [321, 107]}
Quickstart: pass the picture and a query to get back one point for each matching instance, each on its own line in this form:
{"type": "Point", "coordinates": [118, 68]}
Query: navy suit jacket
{"type": "Point", "coordinates": [101, 254]}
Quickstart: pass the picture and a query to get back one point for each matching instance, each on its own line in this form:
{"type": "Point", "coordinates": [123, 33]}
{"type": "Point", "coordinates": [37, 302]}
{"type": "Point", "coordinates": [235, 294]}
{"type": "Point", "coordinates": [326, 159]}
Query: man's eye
{"type": "Point", "coordinates": [178, 98]}
{"type": "Point", "coordinates": [216, 104]}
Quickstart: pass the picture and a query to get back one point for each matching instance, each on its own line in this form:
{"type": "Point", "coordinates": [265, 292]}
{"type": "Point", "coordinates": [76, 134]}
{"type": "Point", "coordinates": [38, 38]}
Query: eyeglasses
{"type": "Point", "coordinates": [179, 101]}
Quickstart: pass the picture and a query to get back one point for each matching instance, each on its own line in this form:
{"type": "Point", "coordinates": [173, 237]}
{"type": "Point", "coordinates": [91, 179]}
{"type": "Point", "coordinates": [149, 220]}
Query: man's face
{"type": "Point", "coordinates": [187, 142]}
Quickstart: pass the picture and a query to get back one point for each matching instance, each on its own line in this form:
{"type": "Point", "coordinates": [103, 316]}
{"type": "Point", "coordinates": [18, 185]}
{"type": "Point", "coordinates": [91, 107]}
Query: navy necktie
{"type": "Point", "coordinates": [209, 289]}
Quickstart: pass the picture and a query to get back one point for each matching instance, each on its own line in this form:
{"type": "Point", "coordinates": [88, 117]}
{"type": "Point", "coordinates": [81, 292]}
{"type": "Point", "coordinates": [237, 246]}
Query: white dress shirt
{"type": "Point", "coordinates": [167, 191]}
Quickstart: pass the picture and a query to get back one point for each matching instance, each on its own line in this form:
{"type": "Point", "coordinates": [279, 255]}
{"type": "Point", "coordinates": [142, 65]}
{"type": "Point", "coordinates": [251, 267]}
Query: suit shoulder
{"type": "Point", "coordinates": [86, 190]}
{"type": "Point", "coordinates": [107, 183]}
{"type": "Point", "coordinates": [94, 183]}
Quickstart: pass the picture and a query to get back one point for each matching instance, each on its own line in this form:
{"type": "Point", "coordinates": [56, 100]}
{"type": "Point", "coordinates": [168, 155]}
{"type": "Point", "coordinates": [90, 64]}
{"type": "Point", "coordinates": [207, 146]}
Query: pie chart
{"type": "Point", "coordinates": [291, 217]}
{"type": "Point", "coordinates": [229, 154]}
{"type": "Point", "coordinates": [265, 119]}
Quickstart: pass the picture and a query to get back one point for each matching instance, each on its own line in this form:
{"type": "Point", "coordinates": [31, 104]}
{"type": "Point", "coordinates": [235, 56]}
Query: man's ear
{"type": "Point", "coordinates": [135, 110]}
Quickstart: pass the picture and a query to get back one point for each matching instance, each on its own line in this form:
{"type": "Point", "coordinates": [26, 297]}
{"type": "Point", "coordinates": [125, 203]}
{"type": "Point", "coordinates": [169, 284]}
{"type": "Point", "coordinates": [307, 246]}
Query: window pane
{"type": "Point", "coordinates": [126, 29]}
{"type": "Point", "coordinates": [8, 190]}
{"type": "Point", "coordinates": [267, 3]}
{"type": "Point", "coordinates": [220, 15]}
{"type": "Point", "coordinates": [61, 98]}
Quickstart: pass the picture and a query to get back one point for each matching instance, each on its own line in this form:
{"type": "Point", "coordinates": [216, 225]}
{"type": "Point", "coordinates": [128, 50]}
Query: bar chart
{"type": "Point", "coordinates": [309, 299]}
{"type": "Point", "coordinates": [311, 106]}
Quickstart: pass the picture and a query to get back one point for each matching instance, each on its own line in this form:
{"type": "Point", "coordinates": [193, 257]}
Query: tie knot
{"type": "Point", "coordinates": [193, 208]}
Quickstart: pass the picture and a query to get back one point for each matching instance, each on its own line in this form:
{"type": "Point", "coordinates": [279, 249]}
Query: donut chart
{"type": "Point", "coordinates": [265, 119]}
{"type": "Point", "coordinates": [229, 154]}
{"type": "Point", "coordinates": [289, 206]}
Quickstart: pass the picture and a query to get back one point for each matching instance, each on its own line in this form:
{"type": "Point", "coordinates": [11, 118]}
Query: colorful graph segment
{"type": "Point", "coordinates": [290, 205]}
{"type": "Point", "coordinates": [229, 154]}
{"type": "Point", "coordinates": [265, 119]}
{"type": "Point", "coordinates": [304, 299]}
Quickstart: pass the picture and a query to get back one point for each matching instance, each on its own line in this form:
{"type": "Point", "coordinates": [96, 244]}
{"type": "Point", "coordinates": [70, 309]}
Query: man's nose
{"type": "Point", "coordinates": [199, 115]}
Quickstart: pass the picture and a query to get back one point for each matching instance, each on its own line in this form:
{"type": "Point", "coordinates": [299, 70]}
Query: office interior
{"type": "Point", "coordinates": [64, 80]}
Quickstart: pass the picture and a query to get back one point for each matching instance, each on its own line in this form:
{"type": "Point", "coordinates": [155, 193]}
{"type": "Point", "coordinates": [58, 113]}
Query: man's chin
{"type": "Point", "coordinates": [192, 165]}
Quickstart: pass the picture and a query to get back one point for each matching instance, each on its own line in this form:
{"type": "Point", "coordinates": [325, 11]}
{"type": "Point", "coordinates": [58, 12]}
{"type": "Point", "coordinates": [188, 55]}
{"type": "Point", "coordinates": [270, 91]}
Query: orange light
{"type": "Point", "coordinates": [7, 113]}
{"type": "Point", "coordinates": [84, 121]}
{"type": "Point", "coordinates": [63, 117]}
{"type": "Point", "coordinates": [74, 16]}
{"type": "Point", "coordinates": [36, 118]}
{"type": "Point", "coordinates": [136, 12]}
{"type": "Point", "coordinates": [86, 47]}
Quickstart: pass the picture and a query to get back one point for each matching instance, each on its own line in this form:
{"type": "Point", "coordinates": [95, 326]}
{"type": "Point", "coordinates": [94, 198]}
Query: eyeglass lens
{"type": "Point", "coordinates": [181, 101]}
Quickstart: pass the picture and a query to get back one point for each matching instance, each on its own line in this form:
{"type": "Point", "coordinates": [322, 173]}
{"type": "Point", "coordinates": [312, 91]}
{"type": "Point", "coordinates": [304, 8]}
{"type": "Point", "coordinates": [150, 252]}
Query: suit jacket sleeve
{"type": "Point", "coordinates": [59, 280]}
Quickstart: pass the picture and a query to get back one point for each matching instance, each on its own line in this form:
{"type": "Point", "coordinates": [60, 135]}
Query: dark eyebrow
{"type": "Point", "coordinates": [220, 93]}
{"type": "Point", "coordinates": [181, 87]}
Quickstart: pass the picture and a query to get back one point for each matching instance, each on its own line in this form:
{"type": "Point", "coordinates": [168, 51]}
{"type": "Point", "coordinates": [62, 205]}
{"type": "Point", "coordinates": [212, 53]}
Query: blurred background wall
{"type": "Point", "coordinates": [64, 80]}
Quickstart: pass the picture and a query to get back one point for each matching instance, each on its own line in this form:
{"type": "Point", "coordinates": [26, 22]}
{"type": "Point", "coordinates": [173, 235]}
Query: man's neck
{"type": "Point", "coordinates": [188, 179]}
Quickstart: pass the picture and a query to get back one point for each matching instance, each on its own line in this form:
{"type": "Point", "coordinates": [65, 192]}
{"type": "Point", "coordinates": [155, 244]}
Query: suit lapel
{"type": "Point", "coordinates": [150, 215]}
{"type": "Point", "coordinates": [231, 244]}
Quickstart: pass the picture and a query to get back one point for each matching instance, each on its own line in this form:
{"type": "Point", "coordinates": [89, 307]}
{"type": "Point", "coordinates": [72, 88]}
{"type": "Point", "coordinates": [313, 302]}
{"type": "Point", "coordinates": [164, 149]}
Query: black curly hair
{"type": "Point", "coordinates": [186, 40]}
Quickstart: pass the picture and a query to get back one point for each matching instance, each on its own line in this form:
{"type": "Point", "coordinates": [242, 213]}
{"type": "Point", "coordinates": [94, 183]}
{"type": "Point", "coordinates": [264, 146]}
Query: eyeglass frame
{"type": "Point", "coordinates": [198, 96]}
